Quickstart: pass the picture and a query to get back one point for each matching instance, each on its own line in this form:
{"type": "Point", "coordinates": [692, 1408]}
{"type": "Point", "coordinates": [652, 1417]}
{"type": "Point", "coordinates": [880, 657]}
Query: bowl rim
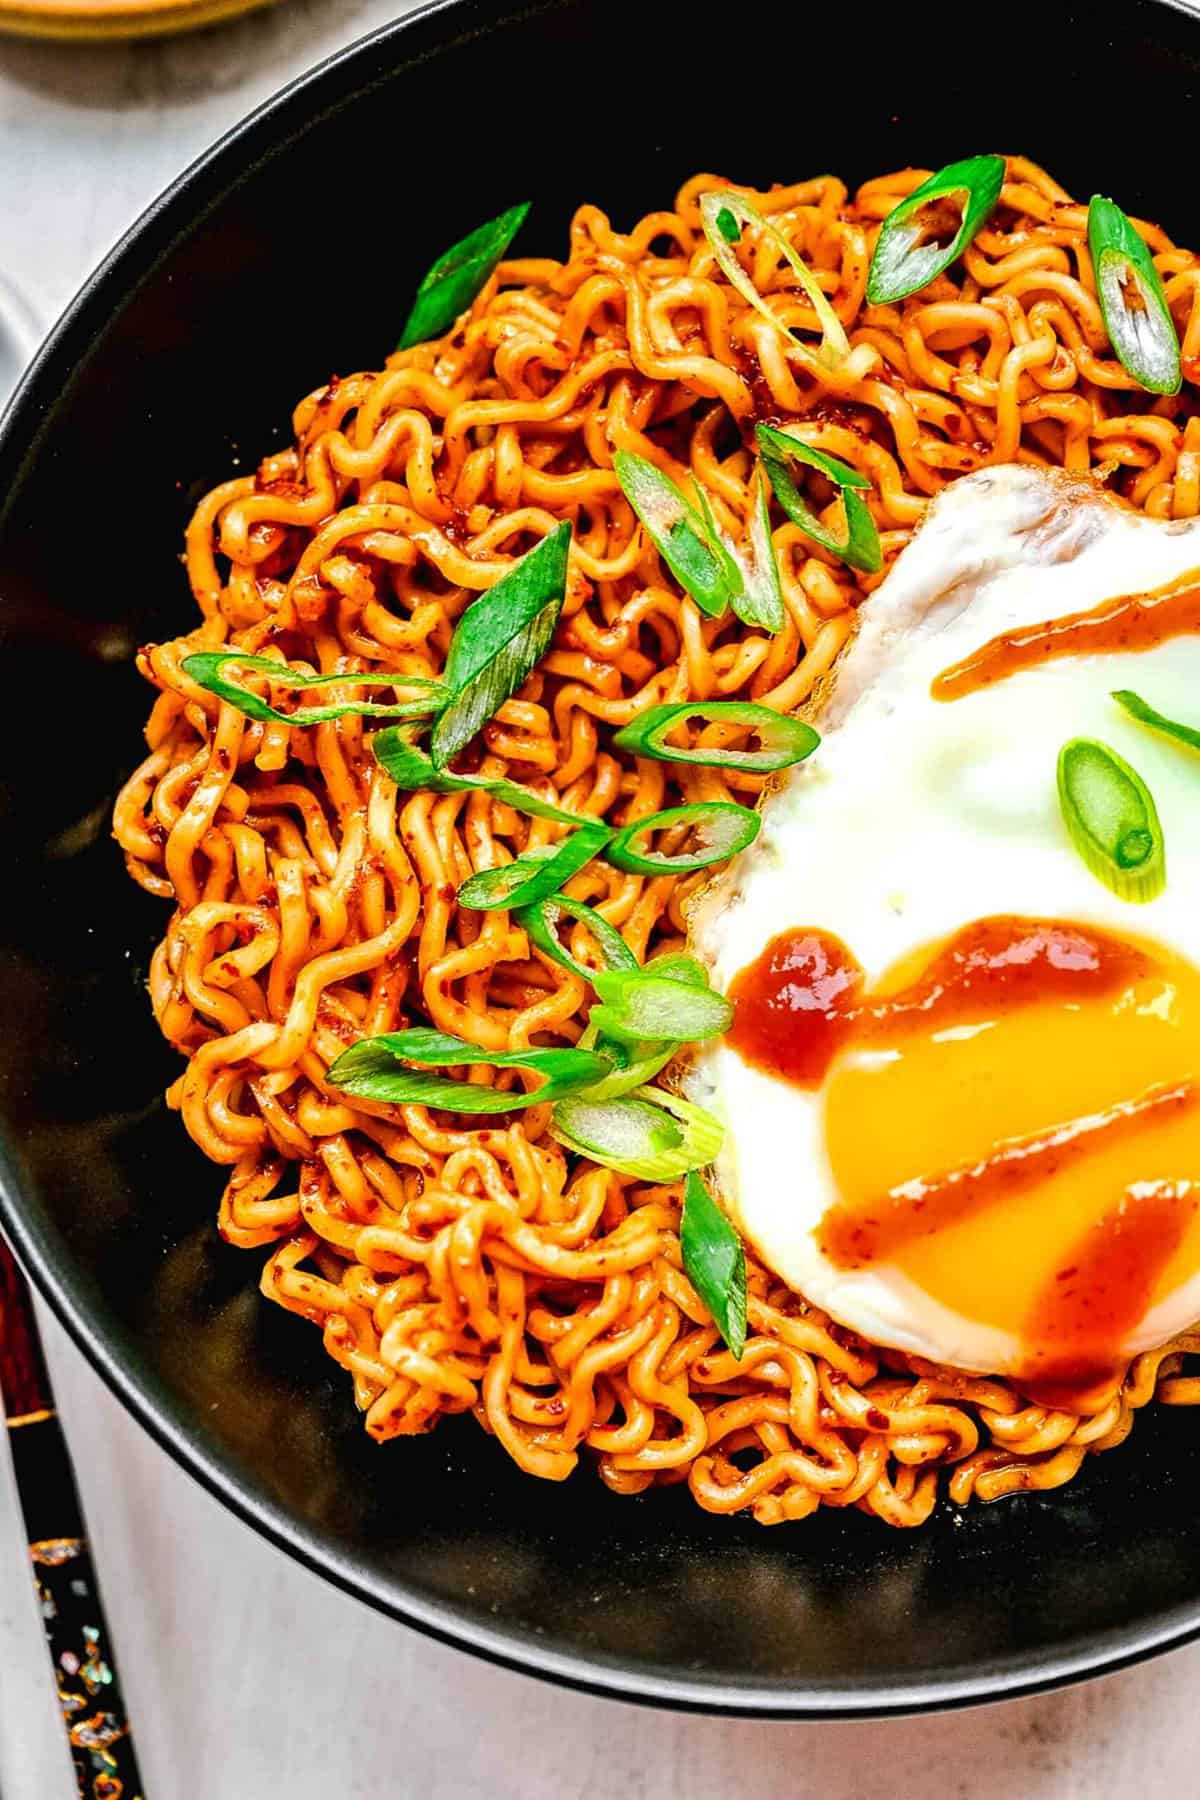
{"type": "Point", "coordinates": [112, 1352]}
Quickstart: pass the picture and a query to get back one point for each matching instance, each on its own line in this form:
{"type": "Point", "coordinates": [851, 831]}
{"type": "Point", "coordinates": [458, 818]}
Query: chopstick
{"type": "Point", "coordinates": [77, 1636]}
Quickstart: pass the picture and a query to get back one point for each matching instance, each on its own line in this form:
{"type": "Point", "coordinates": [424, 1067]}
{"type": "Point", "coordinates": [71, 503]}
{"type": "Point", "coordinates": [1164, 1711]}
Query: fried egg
{"type": "Point", "coordinates": [958, 1089]}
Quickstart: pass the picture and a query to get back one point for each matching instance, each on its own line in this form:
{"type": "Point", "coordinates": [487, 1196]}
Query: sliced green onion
{"type": "Point", "coordinates": [500, 638]}
{"type": "Point", "coordinates": [728, 226]}
{"type": "Point", "coordinates": [373, 1069]}
{"type": "Point", "coordinates": [637, 1134]}
{"type": "Point", "coordinates": [901, 263]}
{"type": "Point", "coordinates": [410, 769]}
{"type": "Point", "coordinates": [722, 209]}
{"type": "Point", "coordinates": [458, 275]}
{"type": "Point", "coordinates": [536, 874]}
{"type": "Point", "coordinates": [1144, 713]}
{"type": "Point", "coordinates": [622, 1134]}
{"type": "Point", "coordinates": [760, 602]}
{"type": "Point", "coordinates": [715, 1262]}
{"type": "Point", "coordinates": [722, 828]}
{"type": "Point", "coordinates": [634, 1063]}
{"type": "Point", "coordinates": [540, 921]}
{"type": "Point", "coordinates": [860, 545]}
{"type": "Point", "coordinates": [784, 740]}
{"type": "Point", "coordinates": [1111, 819]}
{"type": "Point", "coordinates": [641, 1004]}
{"type": "Point", "coordinates": [678, 966]}
{"type": "Point", "coordinates": [686, 538]}
{"type": "Point", "coordinates": [207, 668]}
{"type": "Point", "coordinates": [1136, 315]}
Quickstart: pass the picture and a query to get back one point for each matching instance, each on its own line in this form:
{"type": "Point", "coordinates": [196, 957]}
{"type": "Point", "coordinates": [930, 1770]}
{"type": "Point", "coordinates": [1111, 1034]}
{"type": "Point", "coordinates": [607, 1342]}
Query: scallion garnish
{"type": "Point", "coordinates": [723, 212]}
{"type": "Point", "coordinates": [410, 769]}
{"type": "Point", "coordinates": [760, 602]}
{"type": "Point", "coordinates": [1136, 315]}
{"type": "Point", "coordinates": [908, 254]}
{"type": "Point", "coordinates": [1145, 714]}
{"type": "Point", "coordinates": [686, 538]}
{"type": "Point", "coordinates": [721, 829]}
{"type": "Point", "coordinates": [373, 1069]}
{"type": "Point", "coordinates": [860, 544]}
{"type": "Point", "coordinates": [633, 1065]}
{"type": "Point", "coordinates": [650, 1134]}
{"type": "Point", "coordinates": [457, 276]}
{"type": "Point", "coordinates": [499, 640]}
{"type": "Point", "coordinates": [540, 921]}
{"type": "Point", "coordinates": [728, 226]}
{"type": "Point", "coordinates": [637, 1061]}
{"type": "Point", "coordinates": [1111, 819]}
{"type": "Point", "coordinates": [715, 1262]}
{"type": "Point", "coordinates": [536, 874]}
{"type": "Point", "coordinates": [207, 668]}
{"type": "Point", "coordinates": [678, 965]}
{"type": "Point", "coordinates": [783, 740]}
{"type": "Point", "coordinates": [641, 1004]}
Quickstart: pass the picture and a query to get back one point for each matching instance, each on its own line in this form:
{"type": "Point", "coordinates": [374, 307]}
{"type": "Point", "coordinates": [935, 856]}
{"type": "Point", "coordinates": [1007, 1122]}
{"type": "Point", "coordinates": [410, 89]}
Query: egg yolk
{"type": "Point", "coordinates": [1012, 1120]}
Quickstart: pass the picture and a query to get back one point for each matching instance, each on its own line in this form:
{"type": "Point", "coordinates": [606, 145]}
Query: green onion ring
{"type": "Point", "coordinates": [640, 1005]}
{"type": "Point", "coordinates": [536, 874]}
{"type": "Point", "coordinates": [650, 1134]}
{"type": "Point", "coordinates": [207, 669]}
{"type": "Point", "coordinates": [539, 919]}
{"type": "Point", "coordinates": [900, 263]}
{"type": "Point", "coordinates": [1111, 819]}
{"type": "Point", "coordinates": [785, 740]}
{"type": "Point", "coordinates": [1134, 307]}
{"type": "Point", "coordinates": [729, 828]}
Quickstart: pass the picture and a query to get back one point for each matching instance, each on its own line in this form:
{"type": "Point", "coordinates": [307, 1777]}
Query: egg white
{"type": "Point", "coordinates": [916, 817]}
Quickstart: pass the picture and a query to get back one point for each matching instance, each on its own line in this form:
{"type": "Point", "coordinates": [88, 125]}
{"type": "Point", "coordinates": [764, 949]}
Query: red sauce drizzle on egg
{"type": "Point", "coordinates": [851, 1235]}
{"type": "Point", "coordinates": [805, 1000]}
{"type": "Point", "coordinates": [804, 997]}
{"type": "Point", "coordinates": [1133, 622]}
{"type": "Point", "coordinates": [1102, 1291]}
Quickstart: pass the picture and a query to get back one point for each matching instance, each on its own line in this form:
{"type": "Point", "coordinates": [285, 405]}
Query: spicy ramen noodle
{"type": "Point", "coordinates": [457, 1263]}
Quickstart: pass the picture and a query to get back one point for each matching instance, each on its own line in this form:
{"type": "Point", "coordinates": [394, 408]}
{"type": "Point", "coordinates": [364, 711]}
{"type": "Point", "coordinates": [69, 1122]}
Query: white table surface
{"type": "Point", "coordinates": [247, 1677]}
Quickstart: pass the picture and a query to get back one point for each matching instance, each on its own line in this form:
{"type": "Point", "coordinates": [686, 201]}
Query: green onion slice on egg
{"type": "Point", "coordinates": [1111, 819]}
{"type": "Point", "coordinates": [1145, 714]}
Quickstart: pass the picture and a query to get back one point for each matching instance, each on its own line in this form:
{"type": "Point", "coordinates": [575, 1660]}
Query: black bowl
{"type": "Point", "coordinates": [287, 253]}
